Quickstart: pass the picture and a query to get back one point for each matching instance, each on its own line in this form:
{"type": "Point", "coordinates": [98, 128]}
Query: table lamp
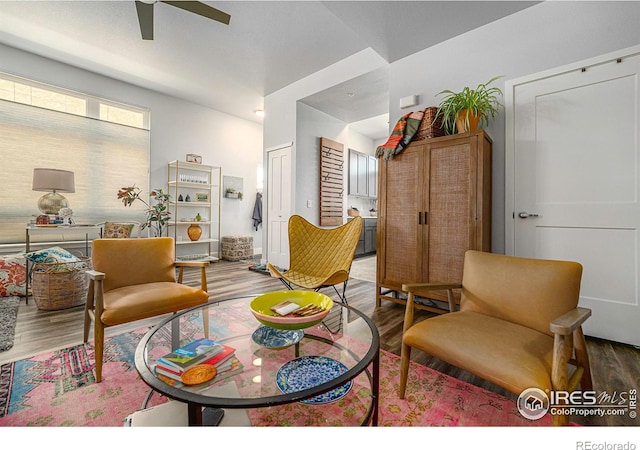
{"type": "Point", "coordinates": [54, 180]}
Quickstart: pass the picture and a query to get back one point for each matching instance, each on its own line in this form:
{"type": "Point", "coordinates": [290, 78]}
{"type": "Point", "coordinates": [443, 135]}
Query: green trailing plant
{"type": "Point", "coordinates": [158, 214]}
{"type": "Point", "coordinates": [483, 101]}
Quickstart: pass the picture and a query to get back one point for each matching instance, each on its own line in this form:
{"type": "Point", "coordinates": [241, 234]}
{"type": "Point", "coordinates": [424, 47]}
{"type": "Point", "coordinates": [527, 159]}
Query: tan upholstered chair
{"type": "Point", "coordinates": [319, 257]}
{"type": "Point", "coordinates": [519, 325]}
{"type": "Point", "coordinates": [135, 279]}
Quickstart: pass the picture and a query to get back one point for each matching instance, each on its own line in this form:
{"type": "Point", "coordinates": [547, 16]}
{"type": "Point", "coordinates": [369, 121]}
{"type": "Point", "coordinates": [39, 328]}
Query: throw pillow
{"type": "Point", "coordinates": [13, 275]}
{"type": "Point", "coordinates": [51, 255]}
{"type": "Point", "coordinates": [117, 230]}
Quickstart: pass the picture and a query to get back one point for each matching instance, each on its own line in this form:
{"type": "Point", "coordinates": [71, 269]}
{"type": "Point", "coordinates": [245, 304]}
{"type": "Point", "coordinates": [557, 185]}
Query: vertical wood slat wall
{"type": "Point", "coordinates": [331, 182]}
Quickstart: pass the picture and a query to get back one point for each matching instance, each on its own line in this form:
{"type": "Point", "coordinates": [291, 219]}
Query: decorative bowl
{"type": "Point", "coordinates": [276, 339]}
{"type": "Point", "coordinates": [261, 309]}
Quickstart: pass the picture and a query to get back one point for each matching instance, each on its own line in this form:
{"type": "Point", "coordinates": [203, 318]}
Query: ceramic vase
{"type": "Point", "coordinates": [194, 231]}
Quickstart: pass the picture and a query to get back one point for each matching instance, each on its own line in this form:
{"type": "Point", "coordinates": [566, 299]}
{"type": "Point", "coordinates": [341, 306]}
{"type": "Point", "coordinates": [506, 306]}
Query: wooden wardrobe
{"type": "Point", "coordinates": [434, 203]}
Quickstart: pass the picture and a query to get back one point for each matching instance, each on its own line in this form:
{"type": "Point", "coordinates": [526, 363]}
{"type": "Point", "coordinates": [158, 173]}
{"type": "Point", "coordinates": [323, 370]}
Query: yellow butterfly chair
{"type": "Point", "coordinates": [319, 257]}
{"type": "Point", "coordinates": [135, 279]}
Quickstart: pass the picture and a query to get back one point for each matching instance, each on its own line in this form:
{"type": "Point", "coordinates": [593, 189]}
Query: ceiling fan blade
{"type": "Point", "coordinates": [202, 10]}
{"type": "Point", "coordinates": [145, 18]}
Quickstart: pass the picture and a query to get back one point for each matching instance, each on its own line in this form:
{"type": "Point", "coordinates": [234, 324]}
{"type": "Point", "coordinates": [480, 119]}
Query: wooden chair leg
{"type": "Point", "coordinates": [582, 359]}
{"type": "Point", "coordinates": [405, 353]}
{"type": "Point", "coordinates": [205, 321]}
{"type": "Point", "coordinates": [404, 368]}
{"type": "Point", "coordinates": [98, 345]}
{"type": "Point", "coordinates": [562, 346]}
{"type": "Point", "coordinates": [87, 324]}
{"type": "Point", "coordinates": [203, 279]}
{"type": "Point", "coordinates": [87, 307]}
{"type": "Point", "coordinates": [560, 420]}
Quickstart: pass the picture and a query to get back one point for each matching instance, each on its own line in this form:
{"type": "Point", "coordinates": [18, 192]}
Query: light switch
{"type": "Point", "coordinates": [308, 203]}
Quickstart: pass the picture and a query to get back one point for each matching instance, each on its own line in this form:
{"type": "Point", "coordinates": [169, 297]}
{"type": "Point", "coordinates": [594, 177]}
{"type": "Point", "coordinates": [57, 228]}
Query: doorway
{"type": "Point", "coordinates": [572, 161]}
{"type": "Point", "coordinates": [279, 204]}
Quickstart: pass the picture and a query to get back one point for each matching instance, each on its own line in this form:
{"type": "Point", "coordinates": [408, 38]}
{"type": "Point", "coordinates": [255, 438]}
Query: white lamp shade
{"type": "Point", "coordinates": [53, 180]}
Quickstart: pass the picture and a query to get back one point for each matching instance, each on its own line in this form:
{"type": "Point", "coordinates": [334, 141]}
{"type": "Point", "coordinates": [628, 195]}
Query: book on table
{"type": "Point", "coordinates": [195, 352]}
{"type": "Point", "coordinates": [219, 361]}
{"type": "Point", "coordinates": [226, 369]}
{"type": "Point", "coordinates": [216, 358]}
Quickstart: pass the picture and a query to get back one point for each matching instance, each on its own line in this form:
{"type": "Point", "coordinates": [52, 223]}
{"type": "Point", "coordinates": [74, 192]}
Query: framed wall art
{"type": "Point", "coordinates": [194, 158]}
{"type": "Point", "coordinates": [202, 197]}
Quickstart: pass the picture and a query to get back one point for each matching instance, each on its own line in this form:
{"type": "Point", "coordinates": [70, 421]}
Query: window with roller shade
{"type": "Point", "coordinates": [105, 143]}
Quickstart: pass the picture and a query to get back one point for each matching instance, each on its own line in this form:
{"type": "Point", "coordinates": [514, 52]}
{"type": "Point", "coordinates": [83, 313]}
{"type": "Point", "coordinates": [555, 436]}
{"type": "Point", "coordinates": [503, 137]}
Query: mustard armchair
{"type": "Point", "coordinates": [319, 257]}
{"type": "Point", "coordinates": [135, 279]}
{"type": "Point", "coordinates": [519, 325]}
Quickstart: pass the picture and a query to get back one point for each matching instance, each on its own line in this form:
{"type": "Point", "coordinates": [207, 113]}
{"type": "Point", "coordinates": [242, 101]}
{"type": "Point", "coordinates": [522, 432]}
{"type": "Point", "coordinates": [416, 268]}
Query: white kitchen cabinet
{"type": "Point", "coordinates": [363, 174]}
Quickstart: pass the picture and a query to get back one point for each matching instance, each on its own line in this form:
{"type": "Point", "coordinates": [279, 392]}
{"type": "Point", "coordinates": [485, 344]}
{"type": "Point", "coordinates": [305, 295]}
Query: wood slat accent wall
{"type": "Point", "coordinates": [331, 182]}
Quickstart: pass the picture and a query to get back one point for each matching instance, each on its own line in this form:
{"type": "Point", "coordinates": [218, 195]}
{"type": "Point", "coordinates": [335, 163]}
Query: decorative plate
{"type": "Point", "coordinates": [273, 338]}
{"type": "Point", "coordinates": [198, 374]}
{"type": "Point", "coordinates": [307, 372]}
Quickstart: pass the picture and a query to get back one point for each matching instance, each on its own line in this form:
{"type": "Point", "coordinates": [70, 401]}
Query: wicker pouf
{"type": "Point", "coordinates": [60, 285]}
{"type": "Point", "coordinates": [235, 248]}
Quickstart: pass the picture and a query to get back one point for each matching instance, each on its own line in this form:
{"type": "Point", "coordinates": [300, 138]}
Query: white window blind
{"type": "Point", "coordinates": [104, 157]}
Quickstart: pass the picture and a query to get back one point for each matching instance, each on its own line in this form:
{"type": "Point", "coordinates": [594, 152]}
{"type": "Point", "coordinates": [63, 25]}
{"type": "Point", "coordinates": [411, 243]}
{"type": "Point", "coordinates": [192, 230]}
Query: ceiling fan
{"type": "Point", "coordinates": [145, 13]}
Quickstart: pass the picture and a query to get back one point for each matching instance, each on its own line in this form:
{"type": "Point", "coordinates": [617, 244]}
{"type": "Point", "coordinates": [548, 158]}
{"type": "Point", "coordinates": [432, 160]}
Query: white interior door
{"type": "Point", "coordinates": [279, 206]}
{"type": "Point", "coordinates": [576, 184]}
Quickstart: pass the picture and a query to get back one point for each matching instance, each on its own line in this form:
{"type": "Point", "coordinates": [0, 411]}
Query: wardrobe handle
{"type": "Point", "coordinates": [426, 215]}
{"type": "Point", "coordinates": [419, 217]}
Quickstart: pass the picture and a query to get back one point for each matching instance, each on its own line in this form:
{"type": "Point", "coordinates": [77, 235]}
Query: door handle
{"type": "Point", "coordinates": [525, 215]}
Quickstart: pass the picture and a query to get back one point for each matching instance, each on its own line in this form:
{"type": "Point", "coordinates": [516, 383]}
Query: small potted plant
{"type": "Point", "coordinates": [158, 214]}
{"type": "Point", "coordinates": [469, 109]}
{"type": "Point", "coordinates": [232, 193]}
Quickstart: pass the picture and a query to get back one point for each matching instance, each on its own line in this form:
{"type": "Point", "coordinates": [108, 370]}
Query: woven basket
{"type": "Point", "coordinates": [60, 285]}
{"type": "Point", "coordinates": [429, 128]}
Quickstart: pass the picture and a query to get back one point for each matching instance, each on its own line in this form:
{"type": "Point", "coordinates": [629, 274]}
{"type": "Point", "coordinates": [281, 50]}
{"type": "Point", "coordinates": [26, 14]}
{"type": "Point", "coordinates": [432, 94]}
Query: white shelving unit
{"type": "Point", "coordinates": [189, 184]}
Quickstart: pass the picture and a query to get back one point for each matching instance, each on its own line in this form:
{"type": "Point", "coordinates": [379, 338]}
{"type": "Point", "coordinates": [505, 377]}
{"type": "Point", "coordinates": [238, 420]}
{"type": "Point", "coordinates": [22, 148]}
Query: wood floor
{"type": "Point", "coordinates": [615, 367]}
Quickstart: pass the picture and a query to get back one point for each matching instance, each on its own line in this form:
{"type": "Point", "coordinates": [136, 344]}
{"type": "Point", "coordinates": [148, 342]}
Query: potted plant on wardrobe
{"type": "Point", "coordinates": [469, 109]}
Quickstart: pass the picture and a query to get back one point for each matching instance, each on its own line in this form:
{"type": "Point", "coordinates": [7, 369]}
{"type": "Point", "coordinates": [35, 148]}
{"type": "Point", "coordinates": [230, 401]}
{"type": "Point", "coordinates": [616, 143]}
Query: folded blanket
{"type": "Point", "coordinates": [404, 130]}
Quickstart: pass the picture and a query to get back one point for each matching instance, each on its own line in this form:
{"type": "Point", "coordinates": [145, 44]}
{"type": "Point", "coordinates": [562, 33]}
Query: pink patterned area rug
{"type": "Point", "coordinates": [58, 389]}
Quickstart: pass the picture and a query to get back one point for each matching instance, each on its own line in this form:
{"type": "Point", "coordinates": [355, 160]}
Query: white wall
{"type": "Point", "coordinates": [544, 36]}
{"type": "Point", "coordinates": [280, 121]}
{"type": "Point", "coordinates": [178, 127]}
{"type": "Point", "coordinates": [311, 125]}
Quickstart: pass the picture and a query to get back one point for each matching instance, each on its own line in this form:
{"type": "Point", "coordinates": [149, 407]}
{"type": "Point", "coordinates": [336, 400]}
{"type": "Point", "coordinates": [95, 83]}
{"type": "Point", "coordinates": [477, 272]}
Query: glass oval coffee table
{"type": "Point", "coordinates": [325, 375]}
